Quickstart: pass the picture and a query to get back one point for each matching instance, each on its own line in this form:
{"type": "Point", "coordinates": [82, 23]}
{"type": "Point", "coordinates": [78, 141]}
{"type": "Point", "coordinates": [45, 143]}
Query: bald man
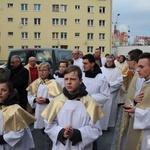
{"type": "Point", "coordinates": [32, 67]}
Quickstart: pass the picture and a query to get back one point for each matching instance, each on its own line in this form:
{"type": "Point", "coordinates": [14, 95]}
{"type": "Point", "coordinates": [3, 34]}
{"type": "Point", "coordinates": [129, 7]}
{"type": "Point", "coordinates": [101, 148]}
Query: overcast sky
{"type": "Point", "coordinates": [135, 14]}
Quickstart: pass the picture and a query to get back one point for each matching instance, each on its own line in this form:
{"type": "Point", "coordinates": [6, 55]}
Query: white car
{"type": "Point", "coordinates": [4, 65]}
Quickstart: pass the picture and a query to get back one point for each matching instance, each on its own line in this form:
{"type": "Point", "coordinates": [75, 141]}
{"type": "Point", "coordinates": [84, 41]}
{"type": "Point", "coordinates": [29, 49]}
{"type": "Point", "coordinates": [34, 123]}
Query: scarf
{"type": "Point", "coordinates": [82, 92]}
{"type": "Point", "coordinates": [92, 74]}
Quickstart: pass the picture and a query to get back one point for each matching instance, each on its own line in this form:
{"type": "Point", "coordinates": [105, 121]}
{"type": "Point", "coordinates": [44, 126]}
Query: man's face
{"type": "Point", "coordinates": [44, 72]}
{"type": "Point", "coordinates": [72, 82]}
{"type": "Point", "coordinates": [14, 63]}
{"type": "Point", "coordinates": [97, 53]}
{"type": "Point", "coordinates": [121, 60]}
{"type": "Point", "coordinates": [109, 62]}
{"type": "Point", "coordinates": [130, 62]}
{"type": "Point", "coordinates": [4, 92]}
{"type": "Point", "coordinates": [75, 54]}
{"type": "Point", "coordinates": [62, 67]}
{"type": "Point", "coordinates": [87, 65]}
{"type": "Point", "coordinates": [32, 62]}
{"type": "Point", "coordinates": [144, 68]}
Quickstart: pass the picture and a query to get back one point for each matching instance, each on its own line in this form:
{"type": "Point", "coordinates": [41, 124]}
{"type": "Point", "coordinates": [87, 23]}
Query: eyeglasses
{"type": "Point", "coordinates": [128, 59]}
{"type": "Point", "coordinates": [74, 54]}
{"type": "Point", "coordinates": [43, 70]}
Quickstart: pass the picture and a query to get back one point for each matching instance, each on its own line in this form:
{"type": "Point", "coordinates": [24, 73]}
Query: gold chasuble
{"type": "Point", "coordinates": [53, 87]}
{"type": "Point", "coordinates": [128, 101]}
{"type": "Point", "coordinates": [94, 110]}
{"type": "Point", "coordinates": [15, 118]}
{"type": "Point", "coordinates": [134, 136]}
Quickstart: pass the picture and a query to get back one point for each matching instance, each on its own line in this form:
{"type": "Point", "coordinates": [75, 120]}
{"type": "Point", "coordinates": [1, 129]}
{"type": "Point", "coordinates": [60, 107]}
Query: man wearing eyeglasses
{"type": "Point", "coordinates": [19, 76]}
{"type": "Point", "coordinates": [77, 59]}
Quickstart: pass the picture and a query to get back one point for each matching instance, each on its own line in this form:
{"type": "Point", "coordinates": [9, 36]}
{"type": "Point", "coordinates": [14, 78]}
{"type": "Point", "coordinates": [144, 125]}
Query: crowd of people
{"type": "Point", "coordinates": [72, 106]}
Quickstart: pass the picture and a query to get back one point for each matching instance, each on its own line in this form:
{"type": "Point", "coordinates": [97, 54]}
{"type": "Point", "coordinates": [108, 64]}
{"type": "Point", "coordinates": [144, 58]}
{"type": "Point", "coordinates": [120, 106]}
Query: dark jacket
{"type": "Point", "coordinates": [19, 77]}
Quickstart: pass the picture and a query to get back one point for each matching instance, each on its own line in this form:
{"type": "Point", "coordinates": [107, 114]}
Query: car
{"type": "Point", "coordinates": [4, 65]}
{"type": "Point", "coordinates": [50, 55]}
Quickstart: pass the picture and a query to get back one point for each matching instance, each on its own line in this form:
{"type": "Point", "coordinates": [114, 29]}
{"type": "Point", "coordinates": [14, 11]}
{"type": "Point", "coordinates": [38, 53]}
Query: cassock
{"type": "Point", "coordinates": [98, 88]}
{"type": "Point", "coordinates": [83, 114]}
{"type": "Point", "coordinates": [14, 126]}
{"type": "Point", "coordinates": [39, 88]}
{"type": "Point", "coordinates": [78, 62]}
{"type": "Point", "coordinates": [60, 79]}
{"type": "Point", "coordinates": [114, 77]}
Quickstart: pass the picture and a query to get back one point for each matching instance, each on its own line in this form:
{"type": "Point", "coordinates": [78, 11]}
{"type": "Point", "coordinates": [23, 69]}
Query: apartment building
{"type": "Point", "coordinates": [68, 24]}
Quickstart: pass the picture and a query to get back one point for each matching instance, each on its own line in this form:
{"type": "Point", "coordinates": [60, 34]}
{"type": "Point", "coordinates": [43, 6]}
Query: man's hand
{"type": "Point", "coordinates": [40, 100]}
{"type": "Point", "coordinates": [139, 97]}
{"type": "Point", "coordinates": [129, 109]}
{"type": "Point", "coordinates": [68, 132]}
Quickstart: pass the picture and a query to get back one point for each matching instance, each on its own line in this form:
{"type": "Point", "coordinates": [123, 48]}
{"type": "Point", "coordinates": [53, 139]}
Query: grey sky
{"type": "Point", "coordinates": [134, 13]}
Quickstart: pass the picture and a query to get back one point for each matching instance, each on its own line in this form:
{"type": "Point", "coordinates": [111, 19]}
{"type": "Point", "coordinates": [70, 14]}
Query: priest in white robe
{"type": "Point", "coordinates": [115, 79]}
{"type": "Point", "coordinates": [72, 119]}
{"type": "Point", "coordinates": [96, 83]}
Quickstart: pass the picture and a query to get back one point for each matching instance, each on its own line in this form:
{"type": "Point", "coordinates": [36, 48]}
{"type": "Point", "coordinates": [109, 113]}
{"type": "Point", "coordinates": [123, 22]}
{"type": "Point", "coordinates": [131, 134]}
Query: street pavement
{"type": "Point", "coordinates": [108, 140]}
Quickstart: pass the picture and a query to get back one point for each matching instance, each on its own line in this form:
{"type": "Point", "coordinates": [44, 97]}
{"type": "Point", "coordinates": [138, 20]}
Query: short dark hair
{"type": "Point", "coordinates": [74, 68]}
{"type": "Point", "coordinates": [134, 54]}
{"type": "Point", "coordinates": [124, 58]}
{"type": "Point", "coordinates": [90, 57]}
{"type": "Point", "coordinates": [63, 61]}
{"type": "Point", "coordinates": [8, 83]}
{"type": "Point", "coordinates": [145, 55]}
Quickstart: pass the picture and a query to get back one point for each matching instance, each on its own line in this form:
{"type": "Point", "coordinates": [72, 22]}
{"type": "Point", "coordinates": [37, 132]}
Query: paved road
{"type": "Point", "coordinates": [108, 141]}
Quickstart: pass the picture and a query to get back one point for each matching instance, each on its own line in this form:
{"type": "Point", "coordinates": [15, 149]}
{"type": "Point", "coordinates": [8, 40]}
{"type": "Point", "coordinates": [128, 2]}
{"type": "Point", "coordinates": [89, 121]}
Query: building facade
{"type": "Point", "coordinates": [68, 24]}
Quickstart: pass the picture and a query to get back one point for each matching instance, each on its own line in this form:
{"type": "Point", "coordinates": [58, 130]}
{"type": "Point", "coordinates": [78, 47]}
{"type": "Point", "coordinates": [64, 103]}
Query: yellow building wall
{"type": "Point", "coordinates": [46, 28]}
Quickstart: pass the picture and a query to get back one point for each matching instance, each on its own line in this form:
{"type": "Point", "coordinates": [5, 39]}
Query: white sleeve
{"type": "Point", "coordinates": [95, 130]}
{"type": "Point", "coordinates": [31, 100]}
{"type": "Point", "coordinates": [12, 138]}
{"type": "Point", "coordinates": [142, 118]}
{"type": "Point", "coordinates": [104, 93]}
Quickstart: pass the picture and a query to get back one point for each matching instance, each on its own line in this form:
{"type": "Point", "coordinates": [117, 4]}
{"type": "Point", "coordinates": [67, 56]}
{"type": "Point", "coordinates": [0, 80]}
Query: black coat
{"type": "Point", "coordinates": [19, 77]}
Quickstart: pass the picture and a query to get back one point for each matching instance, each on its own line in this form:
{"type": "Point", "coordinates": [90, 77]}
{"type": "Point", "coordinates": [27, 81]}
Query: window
{"type": "Point", "coordinates": [37, 46]}
{"type": "Point", "coordinates": [24, 35]}
{"type": "Point", "coordinates": [102, 36]}
{"type": "Point", "coordinates": [77, 34]}
{"type": "Point", "coordinates": [90, 36]}
{"type": "Point", "coordinates": [55, 21]}
{"type": "Point", "coordinates": [63, 8]}
{"type": "Point", "coordinates": [77, 6]}
{"type": "Point", "coordinates": [10, 47]}
{"type": "Point", "coordinates": [37, 7]}
{"type": "Point", "coordinates": [102, 48]}
{"type": "Point", "coordinates": [54, 46]}
{"type": "Point", "coordinates": [77, 20]}
{"type": "Point", "coordinates": [24, 7]}
{"type": "Point", "coordinates": [102, 22]}
{"type": "Point", "coordinates": [24, 21]}
{"type": "Point", "coordinates": [90, 49]}
{"type": "Point", "coordinates": [10, 33]}
{"type": "Point", "coordinates": [77, 47]}
{"type": "Point", "coordinates": [63, 35]}
{"type": "Point", "coordinates": [90, 22]}
{"type": "Point", "coordinates": [55, 35]}
{"type": "Point", "coordinates": [63, 21]}
{"type": "Point", "coordinates": [37, 21]}
{"type": "Point", "coordinates": [10, 5]}
{"type": "Point", "coordinates": [55, 8]}
{"type": "Point", "coordinates": [24, 46]}
{"type": "Point", "coordinates": [102, 9]}
{"type": "Point", "coordinates": [37, 35]}
{"type": "Point", "coordinates": [10, 19]}
{"type": "Point", "coordinates": [90, 9]}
